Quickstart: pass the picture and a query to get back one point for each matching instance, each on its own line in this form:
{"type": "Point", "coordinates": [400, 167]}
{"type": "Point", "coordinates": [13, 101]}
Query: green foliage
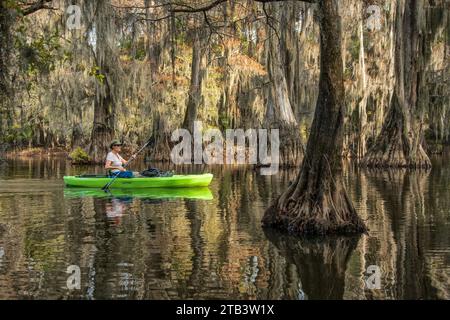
{"type": "Point", "coordinates": [354, 48]}
{"type": "Point", "coordinates": [79, 156]}
{"type": "Point", "coordinates": [18, 135]}
{"type": "Point", "coordinates": [13, 5]}
{"type": "Point", "coordinates": [348, 72]}
{"type": "Point", "coordinates": [133, 49]}
{"type": "Point", "coordinates": [39, 55]}
{"type": "Point", "coordinates": [27, 133]}
{"type": "Point", "coordinates": [67, 56]}
{"type": "Point", "coordinates": [225, 121]}
{"type": "Point", "coordinates": [140, 54]}
{"type": "Point", "coordinates": [95, 72]}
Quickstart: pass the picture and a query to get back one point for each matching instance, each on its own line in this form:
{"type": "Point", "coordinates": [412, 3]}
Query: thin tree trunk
{"type": "Point", "coordinates": [317, 202]}
{"type": "Point", "coordinates": [363, 104]}
{"type": "Point", "coordinates": [6, 21]}
{"type": "Point", "coordinates": [153, 46]}
{"type": "Point", "coordinates": [5, 49]}
{"type": "Point", "coordinates": [228, 108]}
{"type": "Point", "coordinates": [195, 88]}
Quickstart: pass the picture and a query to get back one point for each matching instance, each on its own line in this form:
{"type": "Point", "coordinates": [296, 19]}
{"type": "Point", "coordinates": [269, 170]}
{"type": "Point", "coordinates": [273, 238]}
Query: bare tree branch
{"type": "Point", "coordinates": [41, 4]}
{"type": "Point", "coordinates": [187, 9]}
{"type": "Point", "coordinates": [268, 18]}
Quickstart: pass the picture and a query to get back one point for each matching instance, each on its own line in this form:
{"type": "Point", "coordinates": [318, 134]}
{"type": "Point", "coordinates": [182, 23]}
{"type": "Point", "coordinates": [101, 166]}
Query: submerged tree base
{"type": "Point", "coordinates": [383, 160]}
{"type": "Point", "coordinates": [395, 149]}
{"type": "Point", "coordinates": [329, 211]}
{"type": "Point", "coordinates": [392, 155]}
{"type": "Point", "coordinates": [161, 145]}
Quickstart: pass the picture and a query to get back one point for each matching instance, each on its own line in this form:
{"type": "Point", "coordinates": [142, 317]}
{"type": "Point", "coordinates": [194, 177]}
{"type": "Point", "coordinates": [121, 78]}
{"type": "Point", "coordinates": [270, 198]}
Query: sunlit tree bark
{"type": "Point", "coordinates": [5, 46]}
{"type": "Point", "coordinates": [399, 143]}
{"type": "Point", "coordinates": [197, 74]}
{"type": "Point", "coordinates": [104, 103]}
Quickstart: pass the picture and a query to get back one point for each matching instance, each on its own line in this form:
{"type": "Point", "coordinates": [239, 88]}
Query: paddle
{"type": "Point", "coordinates": [106, 186]}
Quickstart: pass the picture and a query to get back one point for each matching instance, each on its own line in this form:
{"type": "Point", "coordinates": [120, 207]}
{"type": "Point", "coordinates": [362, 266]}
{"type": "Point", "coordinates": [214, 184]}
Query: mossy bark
{"type": "Point", "coordinates": [5, 47]}
{"type": "Point", "coordinates": [161, 145]}
{"type": "Point", "coordinates": [197, 73]}
{"type": "Point", "coordinates": [317, 202]}
{"type": "Point", "coordinates": [6, 20]}
{"type": "Point", "coordinates": [399, 143]}
{"type": "Point", "coordinates": [104, 105]}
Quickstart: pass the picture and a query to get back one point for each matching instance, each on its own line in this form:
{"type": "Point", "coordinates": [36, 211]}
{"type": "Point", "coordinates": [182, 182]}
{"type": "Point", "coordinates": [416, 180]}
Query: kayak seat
{"type": "Point", "coordinates": [154, 173]}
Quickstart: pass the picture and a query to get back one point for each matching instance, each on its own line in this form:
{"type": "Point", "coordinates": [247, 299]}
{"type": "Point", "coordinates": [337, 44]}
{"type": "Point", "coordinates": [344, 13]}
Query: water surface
{"type": "Point", "coordinates": [210, 244]}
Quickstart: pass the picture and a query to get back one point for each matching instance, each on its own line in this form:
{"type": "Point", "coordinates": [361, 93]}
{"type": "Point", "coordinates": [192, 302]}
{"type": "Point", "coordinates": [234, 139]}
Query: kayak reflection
{"type": "Point", "coordinates": [202, 193]}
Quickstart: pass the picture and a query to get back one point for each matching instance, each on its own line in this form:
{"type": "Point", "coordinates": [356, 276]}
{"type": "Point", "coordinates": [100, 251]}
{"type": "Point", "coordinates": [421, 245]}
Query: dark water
{"type": "Point", "coordinates": [147, 247]}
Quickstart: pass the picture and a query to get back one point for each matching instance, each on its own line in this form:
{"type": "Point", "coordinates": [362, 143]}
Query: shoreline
{"type": "Point", "coordinates": [36, 152]}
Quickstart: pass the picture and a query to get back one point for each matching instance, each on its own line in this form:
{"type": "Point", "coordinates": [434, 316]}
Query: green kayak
{"type": "Point", "coordinates": [201, 193]}
{"type": "Point", "coordinates": [176, 181]}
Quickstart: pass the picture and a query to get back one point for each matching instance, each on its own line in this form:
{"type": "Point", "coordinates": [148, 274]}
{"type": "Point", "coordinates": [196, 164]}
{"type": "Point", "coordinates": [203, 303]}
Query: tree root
{"type": "Point", "coordinates": [331, 212]}
{"type": "Point", "coordinates": [393, 156]}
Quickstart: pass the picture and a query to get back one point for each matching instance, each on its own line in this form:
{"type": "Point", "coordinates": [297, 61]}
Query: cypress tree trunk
{"type": "Point", "coordinates": [6, 21]}
{"type": "Point", "coordinates": [5, 46]}
{"type": "Point", "coordinates": [103, 128]}
{"type": "Point", "coordinates": [289, 45]}
{"type": "Point", "coordinates": [279, 105]}
{"type": "Point", "coordinates": [362, 107]}
{"type": "Point", "coordinates": [317, 202]}
{"type": "Point", "coordinates": [399, 142]}
{"type": "Point", "coordinates": [161, 145]}
{"type": "Point", "coordinates": [195, 88]}
{"type": "Point", "coordinates": [104, 104]}
{"type": "Point", "coordinates": [281, 71]}
{"type": "Point", "coordinates": [227, 106]}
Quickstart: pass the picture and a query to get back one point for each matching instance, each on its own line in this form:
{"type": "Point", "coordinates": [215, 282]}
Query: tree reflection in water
{"type": "Point", "coordinates": [214, 247]}
{"type": "Point", "coordinates": [321, 262]}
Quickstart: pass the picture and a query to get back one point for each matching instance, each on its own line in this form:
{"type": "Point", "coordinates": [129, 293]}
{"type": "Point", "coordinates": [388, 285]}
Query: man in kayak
{"type": "Point", "coordinates": [114, 162]}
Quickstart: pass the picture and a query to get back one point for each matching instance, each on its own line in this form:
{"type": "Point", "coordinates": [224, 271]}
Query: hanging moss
{"type": "Point", "coordinates": [139, 67]}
